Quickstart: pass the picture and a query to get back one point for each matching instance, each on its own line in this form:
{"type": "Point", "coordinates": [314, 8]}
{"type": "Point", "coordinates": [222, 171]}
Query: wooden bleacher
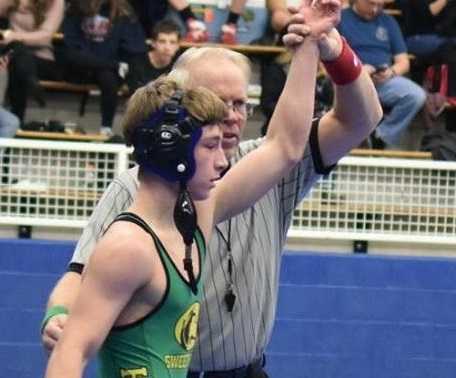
{"type": "Point", "coordinates": [391, 153]}
{"type": "Point", "coordinates": [354, 209]}
{"type": "Point", "coordinates": [54, 194]}
{"type": "Point", "coordinates": [85, 90]}
{"type": "Point", "coordinates": [64, 86]}
{"type": "Point", "coordinates": [66, 136]}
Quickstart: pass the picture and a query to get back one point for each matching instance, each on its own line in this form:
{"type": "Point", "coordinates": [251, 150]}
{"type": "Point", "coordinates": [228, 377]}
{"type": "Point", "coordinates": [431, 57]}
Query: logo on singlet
{"type": "Point", "coordinates": [186, 330]}
{"type": "Point", "coordinates": [134, 373]}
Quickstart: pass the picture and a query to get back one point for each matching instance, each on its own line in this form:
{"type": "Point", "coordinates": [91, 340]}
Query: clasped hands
{"type": "Point", "coordinates": [316, 19]}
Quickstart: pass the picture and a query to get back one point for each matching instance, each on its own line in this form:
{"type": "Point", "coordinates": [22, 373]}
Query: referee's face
{"type": "Point", "coordinates": [228, 81]}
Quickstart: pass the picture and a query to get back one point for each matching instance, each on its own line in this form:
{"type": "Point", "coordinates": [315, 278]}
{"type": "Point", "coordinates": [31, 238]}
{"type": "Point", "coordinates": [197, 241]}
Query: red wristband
{"type": "Point", "coordinates": [345, 68]}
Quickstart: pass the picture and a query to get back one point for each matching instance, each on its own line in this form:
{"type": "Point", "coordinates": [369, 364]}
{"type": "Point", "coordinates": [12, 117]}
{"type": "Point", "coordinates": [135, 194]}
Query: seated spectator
{"type": "Point", "coordinates": [237, 23]}
{"type": "Point", "coordinates": [32, 26]}
{"type": "Point", "coordinates": [423, 24]}
{"type": "Point", "coordinates": [9, 123]}
{"type": "Point", "coordinates": [378, 41]}
{"type": "Point", "coordinates": [197, 30]}
{"type": "Point", "coordinates": [102, 40]}
{"type": "Point", "coordinates": [152, 11]}
{"type": "Point", "coordinates": [431, 39]}
{"type": "Point", "coordinates": [165, 39]}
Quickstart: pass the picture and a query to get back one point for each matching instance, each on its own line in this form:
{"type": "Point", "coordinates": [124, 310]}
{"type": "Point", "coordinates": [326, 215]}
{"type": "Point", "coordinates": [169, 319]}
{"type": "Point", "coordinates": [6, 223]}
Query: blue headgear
{"type": "Point", "coordinates": [165, 142]}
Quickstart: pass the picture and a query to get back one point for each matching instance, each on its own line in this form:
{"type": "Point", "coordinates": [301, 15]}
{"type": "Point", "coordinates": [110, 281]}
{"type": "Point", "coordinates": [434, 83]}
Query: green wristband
{"type": "Point", "coordinates": [51, 312]}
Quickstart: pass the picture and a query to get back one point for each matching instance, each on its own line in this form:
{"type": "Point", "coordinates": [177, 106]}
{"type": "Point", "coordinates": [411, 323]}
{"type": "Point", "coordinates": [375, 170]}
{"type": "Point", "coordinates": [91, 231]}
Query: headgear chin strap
{"type": "Point", "coordinates": [186, 222]}
{"type": "Point", "coordinates": [164, 143]}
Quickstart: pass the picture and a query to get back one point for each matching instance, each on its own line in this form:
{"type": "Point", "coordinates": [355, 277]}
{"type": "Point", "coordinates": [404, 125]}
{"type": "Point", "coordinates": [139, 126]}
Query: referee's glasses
{"type": "Point", "coordinates": [240, 106]}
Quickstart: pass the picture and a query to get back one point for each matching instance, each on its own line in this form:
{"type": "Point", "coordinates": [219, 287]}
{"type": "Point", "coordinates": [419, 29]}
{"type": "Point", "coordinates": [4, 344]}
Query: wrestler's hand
{"type": "Point", "coordinates": [53, 330]}
{"type": "Point", "coordinates": [317, 19]}
{"type": "Point", "coordinates": [321, 15]}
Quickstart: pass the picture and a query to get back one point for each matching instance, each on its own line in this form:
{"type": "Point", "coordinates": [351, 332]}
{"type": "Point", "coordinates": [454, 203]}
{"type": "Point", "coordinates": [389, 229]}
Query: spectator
{"type": "Point", "coordinates": [423, 21]}
{"type": "Point", "coordinates": [152, 11]}
{"type": "Point", "coordinates": [9, 123]}
{"type": "Point", "coordinates": [378, 40]}
{"type": "Point", "coordinates": [32, 26]}
{"type": "Point", "coordinates": [165, 39]}
{"type": "Point", "coordinates": [433, 42]}
{"type": "Point", "coordinates": [196, 29]}
{"type": "Point", "coordinates": [102, 41]}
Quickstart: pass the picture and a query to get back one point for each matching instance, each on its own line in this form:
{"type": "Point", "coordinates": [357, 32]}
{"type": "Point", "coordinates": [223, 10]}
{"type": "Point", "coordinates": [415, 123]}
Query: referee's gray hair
{"type": "Point", "coordinates": [181, 69]}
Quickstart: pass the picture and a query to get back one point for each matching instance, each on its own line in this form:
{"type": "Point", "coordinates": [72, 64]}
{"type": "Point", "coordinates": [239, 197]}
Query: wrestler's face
{"type": "Point", "coordinates": [210, 162]}
{"type": "Point", "coordinates": [368, 9]}
{"type": "Point", "coordinates": [228, 81]}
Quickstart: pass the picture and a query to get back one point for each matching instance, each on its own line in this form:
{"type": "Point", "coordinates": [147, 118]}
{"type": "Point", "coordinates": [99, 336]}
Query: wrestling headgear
{"type": "Point", "coordinates": [164, 143]}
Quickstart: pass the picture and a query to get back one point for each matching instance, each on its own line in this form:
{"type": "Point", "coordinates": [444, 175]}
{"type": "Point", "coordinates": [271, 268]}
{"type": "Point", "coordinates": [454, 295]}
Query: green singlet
{"type": "Point", "coordinates": [160, 344]}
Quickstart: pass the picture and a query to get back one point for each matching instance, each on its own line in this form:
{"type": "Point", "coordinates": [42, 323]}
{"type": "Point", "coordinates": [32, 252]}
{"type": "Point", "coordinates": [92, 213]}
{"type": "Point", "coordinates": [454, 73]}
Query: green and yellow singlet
{"type": "Point", "coordinates": [160, 344]}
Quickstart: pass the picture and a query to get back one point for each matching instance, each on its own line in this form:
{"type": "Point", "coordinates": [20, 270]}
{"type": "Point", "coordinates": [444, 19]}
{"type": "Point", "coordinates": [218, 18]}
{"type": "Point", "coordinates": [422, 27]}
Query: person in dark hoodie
{"type": "Point", "coordinates": [102, 38]}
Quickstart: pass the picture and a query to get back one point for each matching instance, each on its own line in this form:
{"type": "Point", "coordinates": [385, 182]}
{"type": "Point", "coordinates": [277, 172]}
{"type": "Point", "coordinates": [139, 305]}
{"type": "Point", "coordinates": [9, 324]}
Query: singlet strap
{"type": "Point", "coordinates": [198, 237]}
{"type": "Point", "coordinates": [133, 218]}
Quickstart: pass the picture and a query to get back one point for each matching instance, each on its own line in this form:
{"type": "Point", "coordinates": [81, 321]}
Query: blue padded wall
{"type": "Point", "coordinates": [365, 316]}
{"type": "Point", "coordinates": [344, 316]}
{"type": "Point", "coordinates": [28, 271]}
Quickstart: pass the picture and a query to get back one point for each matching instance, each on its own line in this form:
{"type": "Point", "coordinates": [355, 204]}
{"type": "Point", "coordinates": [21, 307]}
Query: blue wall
{"type": "Point", "coordinates": [338, 316]}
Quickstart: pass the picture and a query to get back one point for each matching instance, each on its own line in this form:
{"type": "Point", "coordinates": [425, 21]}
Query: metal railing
{"type": "Point", "coordinates": [57, 184]}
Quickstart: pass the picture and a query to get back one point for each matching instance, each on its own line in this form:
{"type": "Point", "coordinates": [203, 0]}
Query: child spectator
{"type": "Point", "coordinates": [32, 26]}
{"type": "Point", "coordinates": [165, 39]}
{"type": "Point", "coordinates": [103, 39]}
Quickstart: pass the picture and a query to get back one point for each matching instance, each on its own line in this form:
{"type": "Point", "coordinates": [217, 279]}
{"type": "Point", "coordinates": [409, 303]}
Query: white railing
{"type": "Point", "coordinates": [47, 183]}
{"type": "Point", "coordinates": [57, 184]}
{"type": "Point", "coordinates": [382, 199]}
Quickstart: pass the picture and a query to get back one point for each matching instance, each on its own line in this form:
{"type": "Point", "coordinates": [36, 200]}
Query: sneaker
{"type": "Point", "coordinates": [196, 31]}
{"type": "Point", "coordinates": [376, 143]}
{"type": "Point", "coordinates": [228, 36]}
{"type": "Point", "coordinates": [106, 131]}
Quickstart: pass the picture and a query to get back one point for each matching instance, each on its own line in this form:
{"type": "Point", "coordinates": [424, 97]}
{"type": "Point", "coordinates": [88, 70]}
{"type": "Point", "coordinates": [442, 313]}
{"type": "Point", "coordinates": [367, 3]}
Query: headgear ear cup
{"type": "Point", "coordinates": [165, 142]}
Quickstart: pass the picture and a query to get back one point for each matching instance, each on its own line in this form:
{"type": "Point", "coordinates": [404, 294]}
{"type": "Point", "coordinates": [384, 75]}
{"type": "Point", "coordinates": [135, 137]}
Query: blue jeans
{"type": "Point", "coordinates": [9, 124]}
{"type": "Point", "coordinates": [403, 99]}
{"type": "Point", "coordinates": [251, 25]}
{"type": "Point", "coordinates": [424, 44]}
